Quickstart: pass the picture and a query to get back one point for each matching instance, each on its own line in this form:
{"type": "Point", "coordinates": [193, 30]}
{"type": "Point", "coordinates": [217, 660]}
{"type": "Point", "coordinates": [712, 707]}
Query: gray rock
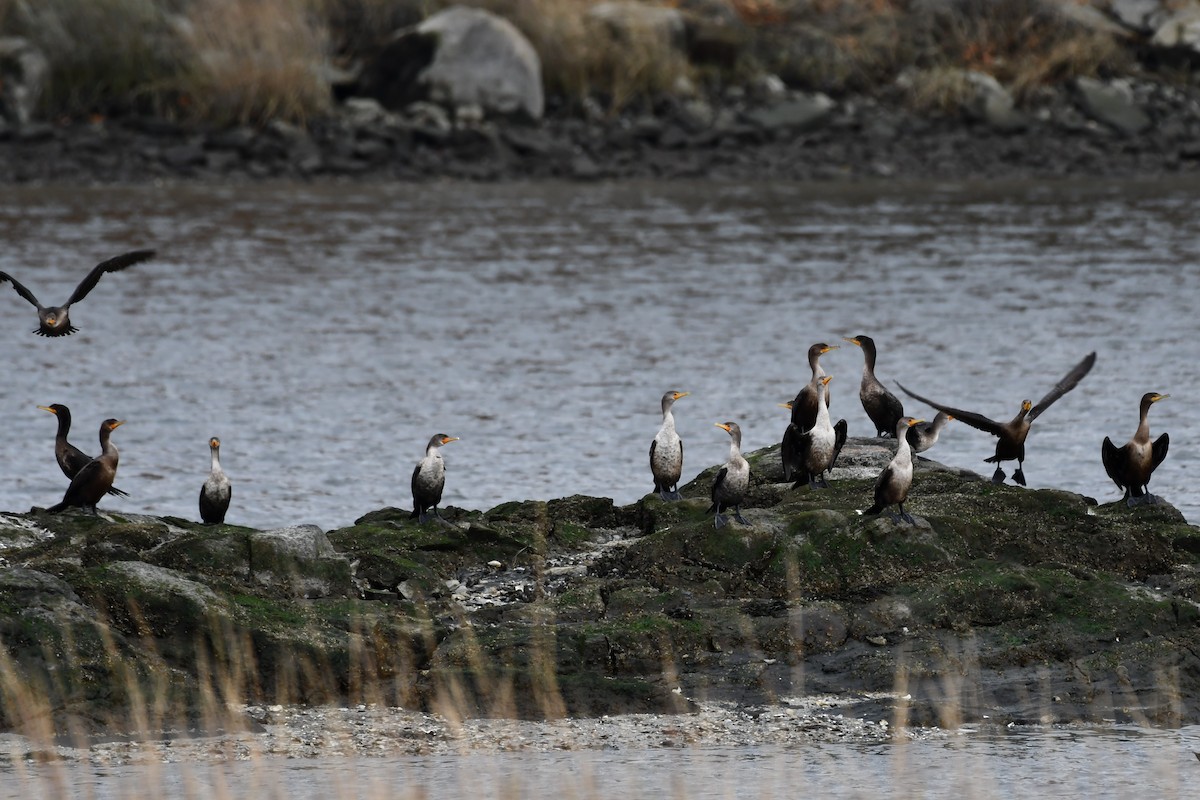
{"type": "Point", "coordinates": [482, 59]}
{"type": "Point", "coordinates": [795, 114]}
{"type": "Point", "coordinates": [991, 103]}
{"type": "Point", "coordinates": [1181, 31]}
{"type": "Point", "coordinates": [168, 583]}
{"type": "Point", "coordinates": [23, 72]}
{"type": "Point", "coordinates": [301, 560]}
{"type": "Point", "coordinates": [1141, 16]}
{"type": "Point", "coordinates": [1111, 104]}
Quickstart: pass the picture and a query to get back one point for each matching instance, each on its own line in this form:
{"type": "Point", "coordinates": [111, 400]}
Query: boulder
{"type": "Point", "coordinates": [459, 57]}
{"type": "Point", "coordinates": [1180, 32]}
{"type": "Point", "coordinates": [1111, 104]}
{"type": "Point", "coordinates": [795, 114]}
{"type": "Point", "coordinates": [991, 103]}
{"type": "Point", "coordinates": [1140, 16]}
{"type": "Point", "coordinates": [23, 72]}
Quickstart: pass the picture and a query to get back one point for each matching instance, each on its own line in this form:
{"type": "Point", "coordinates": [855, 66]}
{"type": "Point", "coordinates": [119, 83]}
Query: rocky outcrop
{"type": "Point", "coordinates": [1018, 605]}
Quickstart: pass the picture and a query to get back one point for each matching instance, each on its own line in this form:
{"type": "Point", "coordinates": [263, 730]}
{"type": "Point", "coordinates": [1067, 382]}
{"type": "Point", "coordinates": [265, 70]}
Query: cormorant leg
{"type": "Point", "coordinates": [664, 494]}
{"type": "Point", "coordinates": [904, 515]}
{"type": "Point", "coordinates": [998, 476]}
{"type": "Point", "coordinates": [675, 495]}
{"type": "Point", "coordinates": [423, 517]}
{"type": "Point", "coordinates": [1153, 499]}
{"type": "Point", "coordinates": [1019, 475]}
{"type": "Point", "coordinates": [719, 521]}
{"type": "Point", "coordinates": [824, 482]}
{"type": "Point", "coordinates": [737, 514]}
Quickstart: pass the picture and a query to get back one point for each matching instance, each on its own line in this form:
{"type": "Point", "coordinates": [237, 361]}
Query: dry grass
{"type": "Point", "coordinates": [252, 62]}
{"type": "Point", "coordinates": [941, 90]}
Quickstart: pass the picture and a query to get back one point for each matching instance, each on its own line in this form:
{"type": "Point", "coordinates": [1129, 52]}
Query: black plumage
{"type": "Point", "coordinates": [93, 481]}
{"type": "Point", "coordinates": [70, 458]}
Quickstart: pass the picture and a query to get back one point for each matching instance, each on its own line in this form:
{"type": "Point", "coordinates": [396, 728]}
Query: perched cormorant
{"type": "Point", "coordinates": [96, 478]}
{"type": "Point", "coordinates": [730, 485]}
{"type": "Point", "coordinates": [818, 446]}
{"type": "Point", "coordinates": [893, 483]}
{"type": "Point", "coordinates": [70, 458]}
{"type": "Point", "coordinates": [883, 407]}
{"type": "Point", "coordinates": [1131, 465]}
{"type": "Point", "coordinates": [55, 320]}
{"type": "Point", "coordinates": [1011, 435]}
{"type": "Point", "coordinates": [924, 436]}
{"type": "Point", "coordinates": [804, 407]}
{"type": "Point", "coordinates": [216, 491]}
{"type": "Point", "coordinates": [429, 478]}
{"type": "Point", "coordinates": [666, 451]}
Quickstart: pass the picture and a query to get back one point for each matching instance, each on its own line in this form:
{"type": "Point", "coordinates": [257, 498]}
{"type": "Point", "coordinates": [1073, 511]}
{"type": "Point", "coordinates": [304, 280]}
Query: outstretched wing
{"type": "Point", "coordinates": [21, 290]}
{"type": "Point", "coordinates": [112, 265]}
{"type": "Point", "coordinates": [1062, 387]}
{"type": "Point", "coordinates": [1158, 450]}
{"type": "Point", "coordinates": [1110, 454]}
{"type": "Point", "coordinates": [977, 421]}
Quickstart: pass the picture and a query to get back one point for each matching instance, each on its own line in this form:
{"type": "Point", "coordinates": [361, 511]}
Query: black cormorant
{"type": "Point", "coordinates": [1131, 465]}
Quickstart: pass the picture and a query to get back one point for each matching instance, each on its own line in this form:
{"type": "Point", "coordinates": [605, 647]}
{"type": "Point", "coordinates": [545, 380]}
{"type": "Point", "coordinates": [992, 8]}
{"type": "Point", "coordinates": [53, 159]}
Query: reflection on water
{"type": "Point", "coordinates": [1094, 763]}
{"type": "Point", "coordinates": [325, 333]}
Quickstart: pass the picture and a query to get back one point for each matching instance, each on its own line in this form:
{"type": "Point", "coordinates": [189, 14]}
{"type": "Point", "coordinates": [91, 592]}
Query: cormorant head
{"type": "Point", "coordinates": [214, 443]}
{"type": "Point", "coordinates": [56, 409]}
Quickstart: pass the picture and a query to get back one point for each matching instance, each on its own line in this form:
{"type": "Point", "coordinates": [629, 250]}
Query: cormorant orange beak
{"type": "Point", "coordinates": [825, 381]}
{"type": "Point", "coordinates": [852, 341]}
{"type": "Point", "coordinates": [722, 426]}
{"type": "Point", "coordinates": [47, 408]}
{"type": "Point", "coordinates": [949, 418]}
{"type": "Point", "coordinates": [915, 422]}
{"type": "Point", "coordinates": [1026, 405]}
{"type": "Point", "coordinates": [681, 394]}
{"type": "Point", "coordinates": [829, 347]}
{"type": "Point", "coordinates": [214, 442]}
{"type": "Point", "coordinates": [449, 439]}
{"type": "Point", "coordinates": [1154, 399]}
{"type": "Point", "coordinates": [117, 424]}
{"type": "Point", "coordinates": [788, 406]}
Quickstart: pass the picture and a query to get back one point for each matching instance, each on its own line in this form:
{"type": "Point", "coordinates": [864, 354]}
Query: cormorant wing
{"type": "Point", "coordinates": [720, 479]}
{"type": "Point", "coordinates": [416, 472]}
{"type": "Point", "coordinates": [881, 483]}
{"type": "Point", "coordinates": [1158, 450]}
{"type": "Point", "coordinates": [977, 421]}
{"type": "Point", "coordinates": [653, 447]}
{"type": "Point", "coordinates": [1062, 387]}
{"type": "Point", "coordinates": [839, 440]}
{"type": "Point", "coordinates": [112, 265]}
{"type": "Point", "coordinates": [1110, 454]}
{"type": "Point", "coordinates": [20, 287]}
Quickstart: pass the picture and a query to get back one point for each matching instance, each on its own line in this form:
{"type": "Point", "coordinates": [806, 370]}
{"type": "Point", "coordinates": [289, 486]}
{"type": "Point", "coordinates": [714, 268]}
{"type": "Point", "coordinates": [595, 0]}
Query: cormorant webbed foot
{"type": "Point", "coordinates": [998, 476]}
{"type": "Point", "coordinates": [737, 514]}
{"type": "Point", "coordinates": [1019, 476]}
{"type": "Point", "coordinates": [719, 521]}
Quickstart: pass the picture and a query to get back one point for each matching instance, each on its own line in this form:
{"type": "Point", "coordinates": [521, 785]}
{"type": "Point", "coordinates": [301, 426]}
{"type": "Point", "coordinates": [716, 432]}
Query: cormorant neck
{"type": "Point", "coordinates": [64, 424]}
{"type": "Point", "coordinates": [1143, 429]}
{"type": "Point", "coordinates": [216, 459]}
{"type": "Point", "coordinates": [868, 349]}
{"type": "Point", "coordinates": [668, 423]}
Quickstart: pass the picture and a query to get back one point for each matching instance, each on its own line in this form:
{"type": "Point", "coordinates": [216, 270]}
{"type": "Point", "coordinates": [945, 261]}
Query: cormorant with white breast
{"type": "Point", "coordinates": [732, 480]}
{"type": "Point", "coordinates": [1131, 465]}
{"type": "Point", "coordinates": [891, 488]}
{"type": "Point", "coordinates": [924, 436]}
{"type": "Point", "coordinates": [883, 407]}
{"type": "Point", "coordinates": [55, 320]}
{"type": "Point", "coordinates": [216, 492]}
{"type": "Point", "coordinates": [96, 478]}
{"type": "Point", "coordinates": [1011, 435]}
{"type": "Point", "coordinates": [818, 446]}
{"type": "Point", "coordinates": [70, 458]}
{"type": "Point", "coordinates": [666, 451]}
{"type": "Point", "coordinates": [804, 407]}
{"type": "Point", "coordinates": [429, 479]}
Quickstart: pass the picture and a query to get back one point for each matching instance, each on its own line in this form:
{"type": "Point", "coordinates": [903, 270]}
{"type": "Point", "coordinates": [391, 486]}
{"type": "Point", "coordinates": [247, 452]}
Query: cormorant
{"type": "Point", "coordinates": [96, 478]}
{"type": "Point", "coordinates": [666, 451]}
{"type": "Point", "coordinates": [817, 446]}
{"type": "Point", "coordinates": [55, 320]}
{"type": "Point", "coordinates": [1011, 435]}
{"type": "Point", "coordinates": [924, 436]}
{"type": "Point", "coordinates": [216, 491]}
{"type": "Point", "coordinates": [883, 407]}
{"type": "Point", "coordinates": [1131, 465]}
{"type": "Point", "coordinates": [429, 478]}
{"type": "Point", "coordinates": [804, 407]}
{"type": "Point", "coordinates": [730, 485]}
{"type": "Point", "coordinates": [891, 488]}
{"type": "Point", "coordinates": [70, 458]}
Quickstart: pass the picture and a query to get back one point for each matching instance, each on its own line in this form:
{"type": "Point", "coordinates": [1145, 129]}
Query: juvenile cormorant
{"type": "Point", "coordinates": [804, 407]}
{"type": "Point", "coordinates": [891, 488]}
{"type": "Point", "coordinates": [429, 478]}
{"type": "Point", "coordinates": [216, 491]}
{"type": "Point", "coordinates": [730, 485]}
{"type": "Point", "coordinates": [96, 478]}
{"type": "Point", "coordinates": [666, 451]}
{"type": "Point", "coordinates": [1011, 435]}
{"type": "Point", "coordinates": [70, 458]}
{"type": "Point", "coordinates": [1131, 465]}
{"type": "Point", "coordinates": [818, 445]}
{"type": "Point", "coordinates": [55, 320]}
{"type": "Point", "coordinates": [883, 407]}
{"type": "Point", "coordinates": [924, 436]}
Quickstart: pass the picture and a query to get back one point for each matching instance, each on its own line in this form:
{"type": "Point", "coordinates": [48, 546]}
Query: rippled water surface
{"type": "Point", "coordinates": [325, 333]}
{"type": "Point", "coordinates": [1073, 763]}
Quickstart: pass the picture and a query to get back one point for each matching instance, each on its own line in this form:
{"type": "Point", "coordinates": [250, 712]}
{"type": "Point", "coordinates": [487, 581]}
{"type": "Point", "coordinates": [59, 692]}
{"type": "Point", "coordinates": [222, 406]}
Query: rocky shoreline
{"type": "Point", "coordinates": [1000, 604]}
{"type": "Point", "coordinates": [1152, 130]}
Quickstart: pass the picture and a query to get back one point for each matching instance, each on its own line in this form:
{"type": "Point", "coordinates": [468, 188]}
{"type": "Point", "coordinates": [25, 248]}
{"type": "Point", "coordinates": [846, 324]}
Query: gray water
{"type": "Point", "coordinates": [1065, 763]}
{"type": "Point", "coordinates": [324, 333]}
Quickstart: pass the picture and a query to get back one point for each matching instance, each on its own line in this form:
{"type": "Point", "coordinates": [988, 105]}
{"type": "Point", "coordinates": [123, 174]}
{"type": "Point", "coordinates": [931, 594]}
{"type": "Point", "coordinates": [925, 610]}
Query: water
{"type": "Point", "coordinates": [1090, 762]}
{"type": "Point", "coordinates": [324, 333]}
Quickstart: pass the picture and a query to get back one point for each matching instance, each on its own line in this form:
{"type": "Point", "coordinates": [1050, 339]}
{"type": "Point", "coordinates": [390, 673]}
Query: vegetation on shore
{"type": "Point", "coordinates": [253, 61]}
